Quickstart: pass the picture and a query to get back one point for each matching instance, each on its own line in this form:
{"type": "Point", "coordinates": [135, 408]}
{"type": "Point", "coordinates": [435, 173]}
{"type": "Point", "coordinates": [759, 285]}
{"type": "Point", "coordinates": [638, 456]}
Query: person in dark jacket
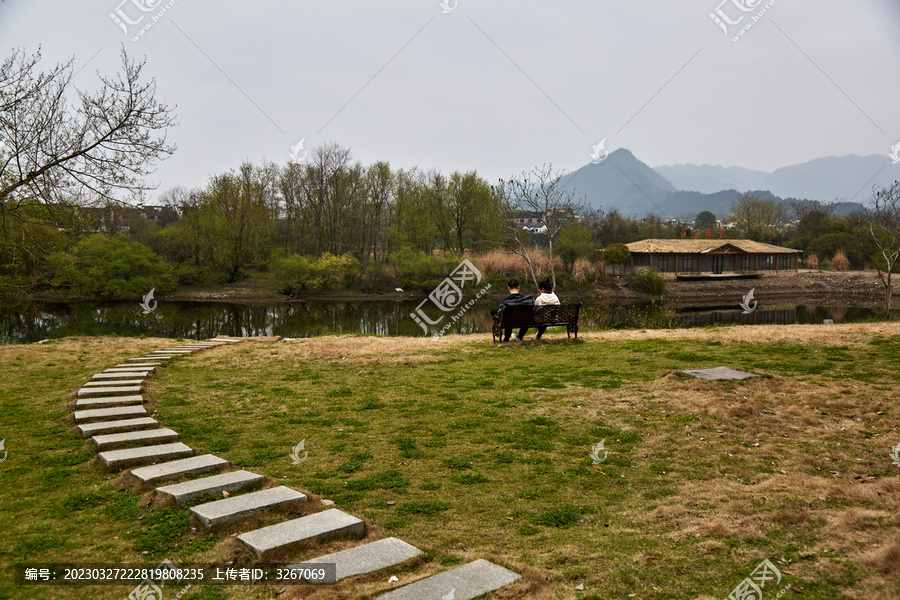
{"type": "Point", "coordinates": [514, 299]}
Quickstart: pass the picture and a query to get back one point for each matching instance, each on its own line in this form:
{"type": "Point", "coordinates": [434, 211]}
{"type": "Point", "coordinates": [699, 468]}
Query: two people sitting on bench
{"type": "Point", "coordinates": [517, 299]}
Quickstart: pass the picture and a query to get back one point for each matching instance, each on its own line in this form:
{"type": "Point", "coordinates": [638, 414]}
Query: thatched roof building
{"type": "Point", "coordinates": [705, 257]}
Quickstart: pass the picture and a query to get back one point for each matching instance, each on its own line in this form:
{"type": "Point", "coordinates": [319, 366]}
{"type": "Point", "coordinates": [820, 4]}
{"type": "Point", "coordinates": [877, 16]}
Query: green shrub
{"type": "Point", "coordinates": [111, 266]}
{"type": "Point", "coordinates": [616, 254]}
{"type": "Point", "coordinates": [375, 278]}
{"type": "Point", "coordinates": [296, 273]}
{"type": "Point", "coordinates": [415, 268]}
{"type": "Point", "coordinates": [650, 282]}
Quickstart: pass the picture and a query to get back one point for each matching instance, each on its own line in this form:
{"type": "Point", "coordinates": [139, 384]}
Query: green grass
{"type": "Point", "coordinates": [486, 447]}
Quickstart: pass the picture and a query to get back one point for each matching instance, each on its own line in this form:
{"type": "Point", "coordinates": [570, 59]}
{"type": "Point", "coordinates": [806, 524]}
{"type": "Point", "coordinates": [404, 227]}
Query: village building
{"type": "Point", "coordinates": [709, 258]}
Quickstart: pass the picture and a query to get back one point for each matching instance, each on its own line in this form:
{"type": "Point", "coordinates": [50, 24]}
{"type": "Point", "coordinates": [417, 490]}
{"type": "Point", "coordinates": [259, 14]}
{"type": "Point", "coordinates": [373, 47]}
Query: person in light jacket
{"type": "Point", "coordinates": [546, 298]}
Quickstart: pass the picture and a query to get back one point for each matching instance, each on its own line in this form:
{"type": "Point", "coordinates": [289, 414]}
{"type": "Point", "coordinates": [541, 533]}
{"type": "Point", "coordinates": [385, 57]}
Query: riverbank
{"type": "Point", "coordinates": [816, 288]}
{"type": "Point", "coordinates": [470, 450]}
{"type": "Point", "coordinates": [861, 289]}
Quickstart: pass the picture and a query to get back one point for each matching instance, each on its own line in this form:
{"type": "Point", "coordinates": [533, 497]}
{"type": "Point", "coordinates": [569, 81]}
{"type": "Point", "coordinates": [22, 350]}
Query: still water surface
{"type": "Point", "coordinates": [31, 323]}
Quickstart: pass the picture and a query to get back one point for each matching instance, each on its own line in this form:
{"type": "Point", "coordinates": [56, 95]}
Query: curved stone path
{"type": "Point", "coordinates": [109, 411]}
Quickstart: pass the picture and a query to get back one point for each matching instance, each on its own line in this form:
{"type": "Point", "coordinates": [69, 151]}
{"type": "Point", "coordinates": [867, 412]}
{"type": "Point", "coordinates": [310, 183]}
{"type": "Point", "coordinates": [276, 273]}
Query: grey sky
{"type": "Point", "coordinates": [495, 86]}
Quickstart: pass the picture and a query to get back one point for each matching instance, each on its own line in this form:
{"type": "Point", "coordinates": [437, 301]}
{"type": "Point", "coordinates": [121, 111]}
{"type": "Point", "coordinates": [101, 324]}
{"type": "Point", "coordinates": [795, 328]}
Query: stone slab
{"type": "Point", "coordinates": [146, 358]}
{"type": "Point", "coordinates": [120, 375]}
{"type": "Point", "coordinates": [89, 429]}
{"type": "Point", "coordinates": [327, 523]}
{"type": "Point", "coordinates": [130, 381]}
{"type": "Point", "coordinates": [368, 557]}
{"type": "Point", "coordinates": [110, 401]}
{"type": "Point", "coordinates": [237, 507]}
{"type": "Point", "coordinates": [717, 373]}
{"type": "Point", "coordinates": [110, 441]}
{"type": "Point", "coordinates": [136, 365]}
{"type": "Point", "coordinates": [169, 352]}
{"type": "Point", "coordinates": [465, 582]}
{"type": "Point", "coordinates": [214, 484]}
{"type": "Point", "coordinates": [109, 413]}
{"type": "Point", "coordinates": [178, 468]}
{"type": "Point", "coordinates": [117, 459]}
{"type": "Point", "coordinates": [134, 368]}
{"type": "Point", "coordinates": [99, 391]}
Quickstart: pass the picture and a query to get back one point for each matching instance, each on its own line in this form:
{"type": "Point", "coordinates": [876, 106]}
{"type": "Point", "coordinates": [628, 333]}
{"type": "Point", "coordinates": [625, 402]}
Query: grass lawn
{"type": "Point", "coordinates": [482, 451]}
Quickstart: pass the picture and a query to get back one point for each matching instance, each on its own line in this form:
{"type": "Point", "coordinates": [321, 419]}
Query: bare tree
{"type": "Point", "coordinates": [538, 193]}
{"type": "Point", "coordinates": [56, 150]}
{"type": "Point", "coordinates": [885, 230]}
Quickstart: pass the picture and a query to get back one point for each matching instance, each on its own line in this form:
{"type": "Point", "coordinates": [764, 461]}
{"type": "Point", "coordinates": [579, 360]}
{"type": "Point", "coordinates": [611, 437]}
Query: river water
{"type": "Point", "coordinates": [34, 322]}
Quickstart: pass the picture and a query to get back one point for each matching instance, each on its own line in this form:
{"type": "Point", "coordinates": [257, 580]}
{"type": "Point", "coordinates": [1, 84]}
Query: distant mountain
{"type": "Point", "coordinates": [624, 183]}
{"type": "Point", "coordinates": [621, 181]}
{"type": "Point", "coordinates": [710, 179]}
{"type": "Point", "coordinates": [849, 178]}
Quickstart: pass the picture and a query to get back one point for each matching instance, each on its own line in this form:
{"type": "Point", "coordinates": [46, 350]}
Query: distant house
{"type": "Point", "coordinates": [705, 258]}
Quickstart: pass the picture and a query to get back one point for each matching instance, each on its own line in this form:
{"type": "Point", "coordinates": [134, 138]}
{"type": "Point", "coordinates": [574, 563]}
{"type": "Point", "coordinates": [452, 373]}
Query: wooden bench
{"type": "Point", "coordinates": [549, 315]}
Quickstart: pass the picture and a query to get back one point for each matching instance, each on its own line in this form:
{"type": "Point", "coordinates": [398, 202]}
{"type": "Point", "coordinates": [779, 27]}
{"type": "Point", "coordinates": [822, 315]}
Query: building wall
{"type": "Point", "coordinates": [671, 264]}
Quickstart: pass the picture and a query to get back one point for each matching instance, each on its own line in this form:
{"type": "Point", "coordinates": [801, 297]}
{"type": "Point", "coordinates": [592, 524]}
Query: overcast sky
{"type": "Point", "coordinates": [499, 87]}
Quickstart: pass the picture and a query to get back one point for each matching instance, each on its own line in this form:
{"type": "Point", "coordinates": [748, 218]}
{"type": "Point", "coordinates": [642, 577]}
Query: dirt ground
{"type": "Point", "coordinates": [817, 288]}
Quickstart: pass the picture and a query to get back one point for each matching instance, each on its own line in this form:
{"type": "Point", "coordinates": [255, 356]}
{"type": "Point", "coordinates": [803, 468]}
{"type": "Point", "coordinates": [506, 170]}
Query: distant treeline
{"type": "Point", "coordinates": [330, 222]}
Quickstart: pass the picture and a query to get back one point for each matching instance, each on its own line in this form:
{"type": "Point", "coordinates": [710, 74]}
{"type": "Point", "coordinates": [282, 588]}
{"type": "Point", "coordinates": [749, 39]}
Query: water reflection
{"type": "Point", "coordinates": [33, 322]}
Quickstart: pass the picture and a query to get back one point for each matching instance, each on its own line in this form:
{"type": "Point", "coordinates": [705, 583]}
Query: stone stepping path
{"type": "Point", "coordinates": [179, 468]}
{"type": "Point", "coordinates": [110, 441]}
{"type": "Point", "coordinates": [120, 426]}
{"type": "Point", "coordinates": [321, 525]}
{"type": "Point", "coordinates": [110, 401]}
{"type": "Point", "coordinates": [367, 558]}
{"type": "Point", "coordinates": [120, 375]}
{"type": "Point", "coordinates": [113, 383]}
{"type": "Point", "coordinates": [718, 373]}
{"type": "Point", "coordinates": [214, 484]}
{"type": "Point", "coordinates": [120, 459]}
{"type": "Point", "coordinates": [238, 507]}
{"type": "Point", "coordinates": [97, 391]}
{"type": "Point", "coordinates": [462, 583]}
{"type": "Point", "coordinates": [109, 411]}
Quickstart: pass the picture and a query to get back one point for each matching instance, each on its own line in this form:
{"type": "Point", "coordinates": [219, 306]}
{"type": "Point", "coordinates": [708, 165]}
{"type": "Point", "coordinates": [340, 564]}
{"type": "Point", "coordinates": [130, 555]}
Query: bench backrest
{"type": "Point", "coordinates": [521, 316]}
